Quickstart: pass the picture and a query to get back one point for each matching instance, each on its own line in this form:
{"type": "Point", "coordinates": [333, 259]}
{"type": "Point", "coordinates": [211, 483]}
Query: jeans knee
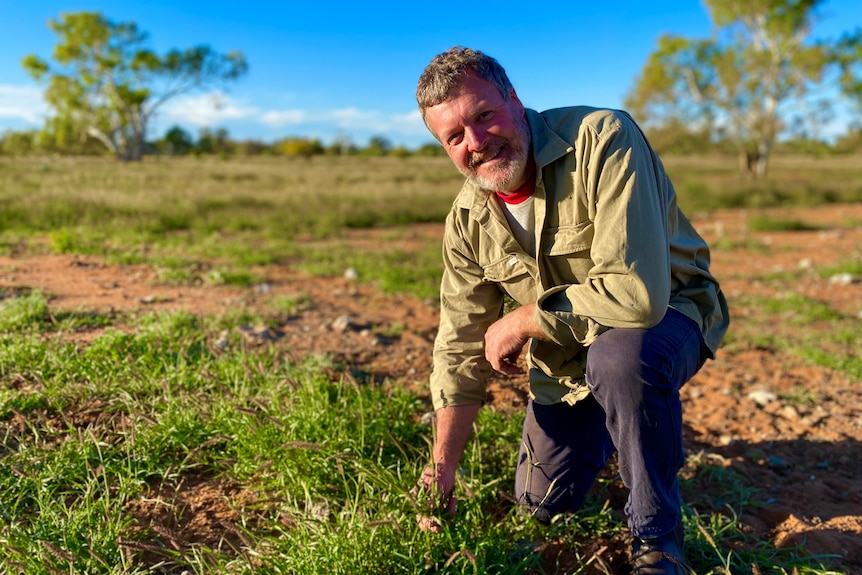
{"type": "Point", "coordinates": [614, 356]}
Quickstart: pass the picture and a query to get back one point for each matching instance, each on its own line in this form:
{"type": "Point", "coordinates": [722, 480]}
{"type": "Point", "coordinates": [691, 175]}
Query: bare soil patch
{"type": "Point", "coordinates": [797, 439]}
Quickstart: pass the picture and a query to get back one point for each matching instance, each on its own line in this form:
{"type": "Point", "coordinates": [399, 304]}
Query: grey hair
{"type": "Point", "coordinates": [446, 71]}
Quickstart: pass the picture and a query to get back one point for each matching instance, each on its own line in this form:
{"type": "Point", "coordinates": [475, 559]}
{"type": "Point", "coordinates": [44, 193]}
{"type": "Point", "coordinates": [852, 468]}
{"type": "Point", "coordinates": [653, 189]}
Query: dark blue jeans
{"type": "Point", "coordinates": [634, 409]}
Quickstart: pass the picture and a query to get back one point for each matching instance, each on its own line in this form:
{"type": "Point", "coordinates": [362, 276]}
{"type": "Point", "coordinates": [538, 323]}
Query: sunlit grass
{"type": "Point", "coordinates": [316, 471]}
{"type": "Point", "coordinates": [802, 326]}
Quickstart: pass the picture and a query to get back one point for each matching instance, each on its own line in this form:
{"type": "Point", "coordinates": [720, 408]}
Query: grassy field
{"type": "Point", "coordinates": [93, 434]}
{"type": "Point", "coordinates": [233, 215]}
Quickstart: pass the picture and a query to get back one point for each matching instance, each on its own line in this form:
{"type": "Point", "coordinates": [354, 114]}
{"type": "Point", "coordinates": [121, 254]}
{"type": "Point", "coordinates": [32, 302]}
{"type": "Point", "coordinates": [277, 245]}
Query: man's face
{"type": "Point", "coordinates": [485, 135]}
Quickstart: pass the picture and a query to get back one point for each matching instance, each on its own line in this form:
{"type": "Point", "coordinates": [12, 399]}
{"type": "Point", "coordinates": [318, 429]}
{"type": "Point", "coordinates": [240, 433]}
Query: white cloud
{"type": "Point", "coordinates": [22, 103]}
{"type": "Point", "coordinates": [353, 118]}
{"type": "Point", "coordinates": [25, 104]}
{"type": "Point", "coordinates": [285, 117]}
{"type": "Point", "coordinates": [410, 123]}
{"type": "Point", "coordinates": [348, 119]}
{"type": "Point", "coordinates": [206, 109]}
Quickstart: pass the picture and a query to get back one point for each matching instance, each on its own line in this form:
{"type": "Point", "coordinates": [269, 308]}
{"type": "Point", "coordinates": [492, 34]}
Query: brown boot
{"type": "Point", "coordinates": [664, 555]}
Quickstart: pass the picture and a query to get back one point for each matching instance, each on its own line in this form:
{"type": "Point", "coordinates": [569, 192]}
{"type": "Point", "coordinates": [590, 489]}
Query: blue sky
{"type": "Point", "coordinates": [328, 69]}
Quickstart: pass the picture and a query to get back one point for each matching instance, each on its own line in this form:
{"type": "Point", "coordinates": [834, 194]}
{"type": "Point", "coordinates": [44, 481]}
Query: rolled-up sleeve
{"type": "Point", "coordinates": [469, 303]}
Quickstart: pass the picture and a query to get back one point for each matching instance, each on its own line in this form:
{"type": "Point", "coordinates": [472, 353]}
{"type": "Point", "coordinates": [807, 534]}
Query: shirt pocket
{"type": "Point", "coordinates": [567, 252]}
{"type": "Point", "coordinates": [513, 276]}
{"type": "Point", "coordinates": [504, 269]}
{"type": "Point", "coordinates": [566, 240]}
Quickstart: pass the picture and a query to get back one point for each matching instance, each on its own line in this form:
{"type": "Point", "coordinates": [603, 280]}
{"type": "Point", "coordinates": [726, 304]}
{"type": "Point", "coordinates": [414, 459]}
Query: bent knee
{"type": "Point", "coordinates": [615, 355]}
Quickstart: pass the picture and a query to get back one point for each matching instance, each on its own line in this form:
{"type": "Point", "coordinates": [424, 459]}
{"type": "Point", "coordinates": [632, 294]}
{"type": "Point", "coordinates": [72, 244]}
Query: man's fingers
{"type": "Point", "coordinates": [506, 365]}
{"type": "Point", "coordinates": [435, 524]}
{"type": "Point", "coordinates": [430, 524]}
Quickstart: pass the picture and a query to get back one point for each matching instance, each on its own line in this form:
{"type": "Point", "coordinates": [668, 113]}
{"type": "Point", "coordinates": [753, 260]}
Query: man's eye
{"type": "Point", "coordinates": [485, 115]}
{"type": "Point", "coordinates": [454, 138]}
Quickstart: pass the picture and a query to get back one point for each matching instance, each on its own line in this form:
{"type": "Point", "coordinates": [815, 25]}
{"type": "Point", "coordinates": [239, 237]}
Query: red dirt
{"type": "Point", "coordinates": [800, 447]}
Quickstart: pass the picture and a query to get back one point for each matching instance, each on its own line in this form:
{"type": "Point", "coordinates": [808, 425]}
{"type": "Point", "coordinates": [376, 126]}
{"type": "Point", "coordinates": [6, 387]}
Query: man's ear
{"type": "Point", "coordinates": [514, 97]}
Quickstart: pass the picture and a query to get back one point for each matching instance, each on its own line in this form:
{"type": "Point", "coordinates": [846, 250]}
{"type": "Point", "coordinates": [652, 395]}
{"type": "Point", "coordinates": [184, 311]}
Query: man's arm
{"type": "Point", "coordinates": [454, 425]}
{"type": "Point", "coordinates": [504, 341]}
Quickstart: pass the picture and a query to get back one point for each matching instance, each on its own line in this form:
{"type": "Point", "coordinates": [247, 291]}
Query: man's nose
{"type": "Point", "coordinates": [476, 139]}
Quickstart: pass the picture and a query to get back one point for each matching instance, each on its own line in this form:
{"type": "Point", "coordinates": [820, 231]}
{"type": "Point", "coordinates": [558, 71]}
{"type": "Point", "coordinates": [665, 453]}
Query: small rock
{"type": "Point", "coordinates": [222, 340]}
{"type": "Point", "coordinates": [260, 334]}
{"type": "Point", "coordinates": [843, 279]}
{"type": "Point", "coordinates": [805, 264]}
{"type": "Point", "coordinates": [351, 274]}
{"type": "Point", "coordinates": [762, 397]}
{"type": "Point", "coordinates": [341, 324]}
{"type": "Point", "coordinates": [376, 338]}
{"type": "Point", "coordinates": [789, 412]}
{"type": "Point", "coordinates": [775, 462]}
{"type": "Point", "coordinates": [816, 417]}
{"type": "Point", "coordinates": [263, 288]}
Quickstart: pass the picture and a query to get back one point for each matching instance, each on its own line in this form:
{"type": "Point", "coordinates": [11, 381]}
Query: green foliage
{"type": "Point", "coordinates": [739, 82]}
{"type": "Point", "coordinates": [431, 149]}
{"type": "Point", "coordinates": [214, 142]}
{"type": "Point", "coordinates": [848, 54]}
{"type": "Point", "coordinates": [851, 142]}
{"type": "Point", "coordinates": [177, 142]}
{"type": "Point", "coordinates": [377, 146]}
{"type": "Point", "coordinates": [18, 143]}
{"type": "Point", "coordinates": [299, 147]}
{"type": "Point", "coordinates": [105, 83]}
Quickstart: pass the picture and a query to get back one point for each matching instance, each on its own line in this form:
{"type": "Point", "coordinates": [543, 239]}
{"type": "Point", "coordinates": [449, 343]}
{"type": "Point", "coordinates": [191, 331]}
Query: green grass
{"type": "Point", "coordinates": [313, 446]}
{"type": "Point", "coordinates": [801, 326]}
{"type": "Point", "coordinates": [705, 183]}
{"type": "Point", "coordinates": [314, 472]}
{"type": "Point", "coordinates": [766, 224]}
{"type": "Point", "coordinates": [183, 214]}
{"type": "Point", "coordinates": [308, 470]}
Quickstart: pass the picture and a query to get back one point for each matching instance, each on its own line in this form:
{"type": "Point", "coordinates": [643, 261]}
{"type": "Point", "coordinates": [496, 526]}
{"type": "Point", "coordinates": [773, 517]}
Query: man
{"type": "Point", "coordinates": [570, 213]}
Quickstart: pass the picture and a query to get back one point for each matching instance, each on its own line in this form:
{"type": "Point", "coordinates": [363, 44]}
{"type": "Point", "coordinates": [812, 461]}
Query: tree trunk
{"type": "Point", "coordinates": [762, 163]}
{"type": "Point", "coordinates": [136, 148]}
{"type": "Point", "coordinates": [746, 162]}
{"type": "Point", "coordinates": [106, 141]}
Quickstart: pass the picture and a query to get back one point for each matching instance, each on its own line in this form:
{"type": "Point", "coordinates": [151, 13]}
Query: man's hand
{"type": "Point", "coordinates": [437, 484]}
{"type": "Point", "coordinates": [453, 426]}
{"type": "Point", "coordinates": [507, 336]}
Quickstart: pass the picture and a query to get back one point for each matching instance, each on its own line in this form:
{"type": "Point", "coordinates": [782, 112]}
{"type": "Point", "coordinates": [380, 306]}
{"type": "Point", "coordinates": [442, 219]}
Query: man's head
{"type": "Point", "coordinates": [446, 71]}
{"type": "Point", "coordinates": [470, 106]}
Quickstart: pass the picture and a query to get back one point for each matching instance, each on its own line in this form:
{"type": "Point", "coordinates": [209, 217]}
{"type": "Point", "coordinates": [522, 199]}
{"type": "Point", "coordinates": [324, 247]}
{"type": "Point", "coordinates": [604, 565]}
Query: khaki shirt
{"type": "Point", "coordinates": [613, 251]}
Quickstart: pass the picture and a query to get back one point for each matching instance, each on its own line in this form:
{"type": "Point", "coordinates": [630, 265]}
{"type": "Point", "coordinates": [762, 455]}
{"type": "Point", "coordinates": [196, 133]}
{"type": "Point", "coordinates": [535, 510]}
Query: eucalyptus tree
{"type": "Point", "coordinates": [758, 75]}
{"type": "Point", "coordinates": [105, 83]}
